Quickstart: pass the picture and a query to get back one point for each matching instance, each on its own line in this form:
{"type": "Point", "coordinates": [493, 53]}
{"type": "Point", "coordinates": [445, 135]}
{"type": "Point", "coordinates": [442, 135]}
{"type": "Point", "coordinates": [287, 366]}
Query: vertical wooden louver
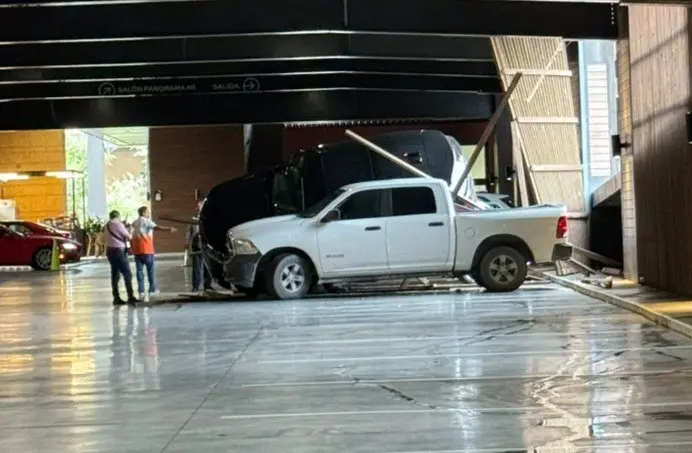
{"type": "Point", "coordinates": [546, 123]}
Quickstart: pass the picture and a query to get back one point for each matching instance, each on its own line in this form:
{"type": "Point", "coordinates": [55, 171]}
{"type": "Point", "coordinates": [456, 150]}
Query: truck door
{"type": "Point", "coordinates": [355, 244]}
{"type": "Point", "coordinates": [418, 231]}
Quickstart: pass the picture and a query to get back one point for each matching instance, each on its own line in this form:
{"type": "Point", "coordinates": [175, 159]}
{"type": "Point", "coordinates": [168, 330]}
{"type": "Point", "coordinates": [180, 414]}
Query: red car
{"type": "Point", "coordinates": [17, 249]}
{"type": "Point", "coordinates": [28, 228]}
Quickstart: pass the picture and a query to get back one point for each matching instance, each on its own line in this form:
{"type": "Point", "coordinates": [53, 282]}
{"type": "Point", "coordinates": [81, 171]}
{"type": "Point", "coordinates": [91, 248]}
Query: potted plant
{"type": "Point", "coordinates": [94, 229]}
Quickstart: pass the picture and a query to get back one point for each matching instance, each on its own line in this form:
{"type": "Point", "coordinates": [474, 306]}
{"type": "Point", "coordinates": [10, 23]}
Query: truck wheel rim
{"type": "Point", "coordinates": [503, 269]}
{"type": "Point", "coordinates": [293, 278]}
{"type": "Point", "coordinates": [43, 258]}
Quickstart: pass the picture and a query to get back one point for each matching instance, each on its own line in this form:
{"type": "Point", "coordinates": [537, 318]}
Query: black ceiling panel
{"type": "Point", "coordinates": [152, 62]}
{"type": "Point", "coordinates": [251, 68]}
{"type": "Point", "coordinates": [440, 47]}
{"type": "Point", "coordinates": [247, 108]}
{"type": "Point", "coordinates": [179, 18]}
{"type": "Point", "coordinates": [237, 85]}
{"type": "Point", "coordinates": [239, 48]}
{"type": "Point", "coordinates": [568, 19]}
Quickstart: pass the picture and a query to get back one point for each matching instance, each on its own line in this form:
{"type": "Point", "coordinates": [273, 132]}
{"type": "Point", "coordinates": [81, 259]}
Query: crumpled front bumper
{"type": "Point", "coordinates": [241, 270]}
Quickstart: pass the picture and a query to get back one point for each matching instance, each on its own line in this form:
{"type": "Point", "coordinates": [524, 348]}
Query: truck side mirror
{"type": "Point", "coordinates": [331, 216]}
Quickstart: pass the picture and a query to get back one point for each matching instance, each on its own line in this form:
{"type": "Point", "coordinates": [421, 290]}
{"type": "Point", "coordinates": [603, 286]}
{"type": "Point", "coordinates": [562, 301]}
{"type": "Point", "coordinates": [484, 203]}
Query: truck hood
{"type": "Point", "coordinates": [256, 227]}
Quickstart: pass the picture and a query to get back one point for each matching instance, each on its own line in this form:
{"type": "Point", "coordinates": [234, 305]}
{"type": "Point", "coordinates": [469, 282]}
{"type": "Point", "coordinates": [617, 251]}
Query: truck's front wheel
{"type": "Point", "coordinates": [502, 269]}
{"type": "Point", "coordinates": [288, 277]}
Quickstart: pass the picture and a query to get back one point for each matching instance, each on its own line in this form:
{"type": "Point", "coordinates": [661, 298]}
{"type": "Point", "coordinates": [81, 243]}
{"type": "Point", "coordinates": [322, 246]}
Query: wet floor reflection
{"type": "Point", "coordinates": [134, 360]}
{"type": "Point", "coordinates": [538, 371]}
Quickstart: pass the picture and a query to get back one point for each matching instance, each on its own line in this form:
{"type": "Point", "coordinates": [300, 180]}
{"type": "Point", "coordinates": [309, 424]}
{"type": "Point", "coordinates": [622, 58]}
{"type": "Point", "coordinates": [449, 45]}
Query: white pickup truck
{"type": "Point", "coordinates": [395, 227]}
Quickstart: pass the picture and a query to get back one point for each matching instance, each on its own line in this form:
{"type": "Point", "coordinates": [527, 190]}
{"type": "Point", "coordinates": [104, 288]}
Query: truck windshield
{"type": "Point", "coordinates": [315, 209]}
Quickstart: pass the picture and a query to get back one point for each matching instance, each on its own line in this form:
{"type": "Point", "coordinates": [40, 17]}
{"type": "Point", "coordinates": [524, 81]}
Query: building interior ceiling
{"type": "Point", "coordinates": [113, 63]}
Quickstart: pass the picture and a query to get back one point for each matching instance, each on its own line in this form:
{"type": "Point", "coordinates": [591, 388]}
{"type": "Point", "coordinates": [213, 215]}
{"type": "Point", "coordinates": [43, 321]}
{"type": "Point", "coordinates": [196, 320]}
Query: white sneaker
{"type": "Point", "coordinates": [155, 293]}
{"type": "Point", "coordinates": [142, 296]}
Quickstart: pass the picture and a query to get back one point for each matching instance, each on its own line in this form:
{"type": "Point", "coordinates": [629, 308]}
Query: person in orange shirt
{"type": "Point", "coordinates": [143, 249]}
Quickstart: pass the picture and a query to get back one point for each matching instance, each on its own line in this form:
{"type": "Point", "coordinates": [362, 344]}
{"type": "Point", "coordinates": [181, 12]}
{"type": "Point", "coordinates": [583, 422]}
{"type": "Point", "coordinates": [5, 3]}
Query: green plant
{"type": "Point", "coordinates": [94, 225]}
{"type": "Point", "coordinates": [127, 193]}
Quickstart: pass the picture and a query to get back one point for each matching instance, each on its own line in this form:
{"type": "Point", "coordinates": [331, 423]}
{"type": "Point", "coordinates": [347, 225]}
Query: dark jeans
{"type": "Point", "coordinates": [142, 261]}
{"type": "Point", "coordinates": [119, 265]}
{"type": "Point", "coordinates": [198, 268]}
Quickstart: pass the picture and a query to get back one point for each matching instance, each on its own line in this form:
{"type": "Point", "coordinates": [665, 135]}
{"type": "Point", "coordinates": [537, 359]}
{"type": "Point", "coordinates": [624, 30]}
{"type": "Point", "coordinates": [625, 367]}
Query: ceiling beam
{"type": "Point", "coordinates": [179, 50]}
{"type": "Point", "coordinates": [335, 105]}
{"type": "Point", "coordinates": [238, 85]}
{"type": "Point", "coordinates": [377, 64]}
{"type": "Point", "coordinates": [574, 20]}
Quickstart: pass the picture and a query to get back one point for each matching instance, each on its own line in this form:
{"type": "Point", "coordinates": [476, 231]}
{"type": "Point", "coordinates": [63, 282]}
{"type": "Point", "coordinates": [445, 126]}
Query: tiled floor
{"type": "Point", "coordinates": [541, 370]}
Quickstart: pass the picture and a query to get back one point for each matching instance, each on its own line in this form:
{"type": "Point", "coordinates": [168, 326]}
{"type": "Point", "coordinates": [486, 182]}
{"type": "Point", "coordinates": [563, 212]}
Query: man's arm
{"type": "Point", "coordinates": [156, 227]}
{"type": "Point", "coordinates": [165, 228]}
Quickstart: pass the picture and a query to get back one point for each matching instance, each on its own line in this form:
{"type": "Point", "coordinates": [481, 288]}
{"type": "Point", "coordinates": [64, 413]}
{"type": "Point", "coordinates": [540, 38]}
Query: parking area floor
{"type": "Point", "coordinates": [541, 370]}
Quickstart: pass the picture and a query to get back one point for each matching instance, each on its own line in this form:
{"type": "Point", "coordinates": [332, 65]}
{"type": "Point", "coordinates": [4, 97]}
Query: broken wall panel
{"type": "Point", "coordinates": [543, 109]}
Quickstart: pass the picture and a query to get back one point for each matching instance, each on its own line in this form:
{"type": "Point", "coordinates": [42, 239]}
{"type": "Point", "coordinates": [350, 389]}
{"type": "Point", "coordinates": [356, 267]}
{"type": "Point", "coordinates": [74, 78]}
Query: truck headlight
{"type": "Point", "coordinates": [69, 246]}
{"type": "Point", "coordinates": [243, 247]}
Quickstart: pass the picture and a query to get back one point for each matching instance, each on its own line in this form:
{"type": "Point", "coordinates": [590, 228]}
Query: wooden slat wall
{"type": "Point", "coordinates": [660, 91]}
{"type": "Point", "coordinates": [554, 141]}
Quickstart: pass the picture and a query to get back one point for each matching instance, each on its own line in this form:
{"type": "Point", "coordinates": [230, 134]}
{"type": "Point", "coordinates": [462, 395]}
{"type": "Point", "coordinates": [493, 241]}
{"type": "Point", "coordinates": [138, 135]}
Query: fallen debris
{"type": "Point", "coordinates": [606, 282]}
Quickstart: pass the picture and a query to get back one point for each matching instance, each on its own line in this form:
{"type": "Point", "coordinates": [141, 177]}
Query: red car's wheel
{"type": "Point", "coordinates": [42, 259]}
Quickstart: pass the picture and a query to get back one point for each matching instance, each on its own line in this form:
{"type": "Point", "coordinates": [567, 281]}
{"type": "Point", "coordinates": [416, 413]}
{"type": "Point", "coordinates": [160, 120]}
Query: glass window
{"type": "Point", "coordinates": [363, 205]}
{"type": "Point", "coordinates": [413, 200]}
{"type": "Point", "coordinates": [320, 205]}
{"type": "Point", "coordinates": [18, 228]}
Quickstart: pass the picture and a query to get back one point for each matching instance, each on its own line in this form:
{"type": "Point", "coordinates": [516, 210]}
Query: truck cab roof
{"type": "Point", "coordinates": [389, 183]}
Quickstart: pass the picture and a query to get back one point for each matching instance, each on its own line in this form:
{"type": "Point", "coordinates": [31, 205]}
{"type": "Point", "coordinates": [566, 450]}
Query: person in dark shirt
{"type": "Point", "coordinates": [193, 244]}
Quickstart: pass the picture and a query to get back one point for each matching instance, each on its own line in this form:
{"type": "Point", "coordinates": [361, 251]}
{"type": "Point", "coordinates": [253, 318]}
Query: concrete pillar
{"type": "Point", "coordinates": [628, 209]}
{"type": "Point", "coordinates": [96, 175]}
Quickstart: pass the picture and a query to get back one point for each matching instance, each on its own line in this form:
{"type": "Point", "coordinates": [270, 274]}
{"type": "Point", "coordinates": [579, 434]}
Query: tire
{"type": "Point", "coordinates": [41, 260]}
{"type": "Point", "coordinates": [502, 269]}
{"type": "Point", "coordinates": [288, 277]}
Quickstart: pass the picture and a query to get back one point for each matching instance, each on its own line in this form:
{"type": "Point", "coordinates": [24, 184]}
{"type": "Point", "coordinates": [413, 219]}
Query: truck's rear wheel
{"type": "Point", "coordinates": [502, 269]}
{"type": "Point", "coordinates": [288, 276]}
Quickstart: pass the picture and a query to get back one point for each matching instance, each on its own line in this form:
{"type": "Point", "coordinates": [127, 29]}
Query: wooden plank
{"type": "Point", "coordinates": [518, 158]}
{"type": "Point", "coordinates": [556, 167]}
{"type": "Point", "coordinates": [597, 257]}
{"type": "Point", "coordinates": [547, 120]}
{"type": "Point", "coordinates": [485, 136]}
{"type": "Point", "coordinates": [540, 72]}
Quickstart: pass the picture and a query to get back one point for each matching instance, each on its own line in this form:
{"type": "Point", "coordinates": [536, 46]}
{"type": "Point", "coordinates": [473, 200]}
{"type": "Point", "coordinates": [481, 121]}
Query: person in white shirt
{"type": "Point", "coordinates": [143, 249]}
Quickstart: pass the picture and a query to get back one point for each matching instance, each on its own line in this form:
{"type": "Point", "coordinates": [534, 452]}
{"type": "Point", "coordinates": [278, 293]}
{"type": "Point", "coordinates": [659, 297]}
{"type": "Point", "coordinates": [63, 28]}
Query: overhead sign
{"type": "Point", "coordinates": [215, 85]}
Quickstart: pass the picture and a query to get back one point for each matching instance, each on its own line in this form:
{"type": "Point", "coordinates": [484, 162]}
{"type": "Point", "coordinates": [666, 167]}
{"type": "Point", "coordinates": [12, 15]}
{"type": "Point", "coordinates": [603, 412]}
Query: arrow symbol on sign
{"type": "Point", "coordinates": [106, 89]}
{"type": "Point", "coordinates": [251, 84]}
